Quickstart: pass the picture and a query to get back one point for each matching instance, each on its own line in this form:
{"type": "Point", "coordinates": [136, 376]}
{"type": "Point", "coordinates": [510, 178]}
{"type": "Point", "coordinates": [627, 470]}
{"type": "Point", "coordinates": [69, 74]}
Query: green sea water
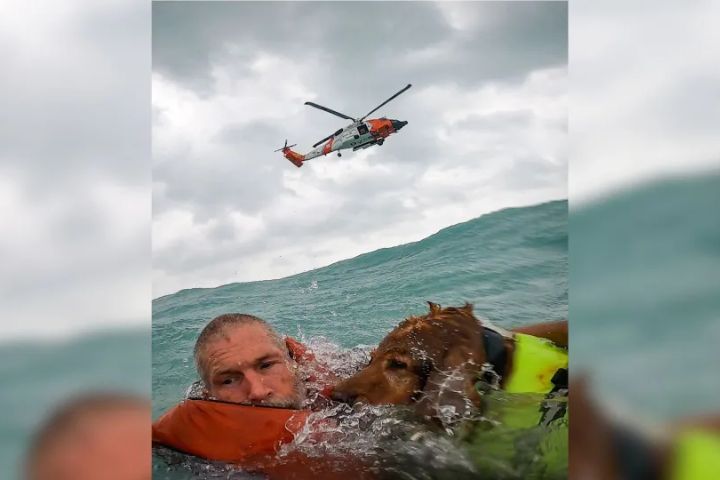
{"type": "Point", "coordinates": [511, 264]}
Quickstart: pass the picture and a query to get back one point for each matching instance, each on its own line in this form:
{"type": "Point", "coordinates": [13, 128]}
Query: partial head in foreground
{"type": "Point", "coordinates": [431, 360]}
{"type": "Point", "coordinates": [241, 359]}
{"type": "Point", "coordinates": [97, 435]}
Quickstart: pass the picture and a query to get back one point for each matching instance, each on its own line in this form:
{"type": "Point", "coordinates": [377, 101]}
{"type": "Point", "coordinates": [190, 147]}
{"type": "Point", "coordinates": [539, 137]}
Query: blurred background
{"type": "Point", "coordinates": [644, 234]}
{"type": "Point", "coordinates": [75, 203]}
{"type": "Point", "coordinates": [645, 188]}
{"type": "Point", "coordinates": [75, 207]}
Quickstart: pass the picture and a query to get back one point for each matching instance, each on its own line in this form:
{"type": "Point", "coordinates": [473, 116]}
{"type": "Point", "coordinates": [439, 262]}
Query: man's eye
{"type": "Point", "coordinates": [227, 381]}
{"type": "Point", "coordinates": [266, 365]}
{"type": "Point", "coordinates": [396, 365]}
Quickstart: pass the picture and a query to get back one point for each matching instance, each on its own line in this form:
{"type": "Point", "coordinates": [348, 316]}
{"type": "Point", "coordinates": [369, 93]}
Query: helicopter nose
{"type": "Point", "coordinates": [398, 124]}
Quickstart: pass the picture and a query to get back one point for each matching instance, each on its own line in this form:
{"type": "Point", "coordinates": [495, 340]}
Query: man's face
{"type": "Point", "coordinates": [245, 365]}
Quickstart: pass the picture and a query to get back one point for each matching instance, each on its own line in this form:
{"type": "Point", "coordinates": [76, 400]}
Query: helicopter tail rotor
{"type": "Point", "coordinates": [294, 157]}
{"type": "Point", "coordinates": [282, 149]}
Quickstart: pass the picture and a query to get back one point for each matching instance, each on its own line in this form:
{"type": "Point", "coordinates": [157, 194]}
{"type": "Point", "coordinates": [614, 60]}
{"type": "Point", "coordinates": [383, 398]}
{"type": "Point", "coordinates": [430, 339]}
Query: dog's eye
{"type": "Point", "coordinates": [396, 365]}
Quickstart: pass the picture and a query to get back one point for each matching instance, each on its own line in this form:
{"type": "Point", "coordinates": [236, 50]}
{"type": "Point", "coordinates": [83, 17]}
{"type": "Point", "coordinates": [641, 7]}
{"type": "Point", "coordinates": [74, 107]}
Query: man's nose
{"type": "Point", "coordinates": [258, 390]}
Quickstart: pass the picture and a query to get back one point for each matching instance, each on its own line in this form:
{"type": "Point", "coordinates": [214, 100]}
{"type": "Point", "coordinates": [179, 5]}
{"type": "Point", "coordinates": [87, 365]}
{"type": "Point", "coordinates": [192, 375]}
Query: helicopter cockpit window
{"type": "Point", "coordinates": [362, 129]}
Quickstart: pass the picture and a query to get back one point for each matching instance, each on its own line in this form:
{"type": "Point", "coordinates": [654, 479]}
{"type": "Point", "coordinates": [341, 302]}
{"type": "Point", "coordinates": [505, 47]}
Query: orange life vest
{"type": "Point", "coordinates": [225, 431]}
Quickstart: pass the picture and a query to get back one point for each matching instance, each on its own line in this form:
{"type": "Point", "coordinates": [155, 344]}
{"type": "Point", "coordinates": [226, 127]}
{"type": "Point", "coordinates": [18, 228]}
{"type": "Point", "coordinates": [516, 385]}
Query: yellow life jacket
{"type": "Point", "coordinates": [526, 401]}
{"type": "Point", "coordinates": [535, 361]}
{"type": "Point", "coordinates": [518, 413]}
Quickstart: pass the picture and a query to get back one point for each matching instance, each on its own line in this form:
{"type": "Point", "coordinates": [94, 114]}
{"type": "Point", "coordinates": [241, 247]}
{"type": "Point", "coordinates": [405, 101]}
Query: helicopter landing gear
{"type": "Point", "coordinates": [381, 141]}
{"type": "Point", "coordinates": [339, 154]}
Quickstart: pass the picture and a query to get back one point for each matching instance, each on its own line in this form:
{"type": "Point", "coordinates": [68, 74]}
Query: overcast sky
{"type": "Point", "coordinates": [487, 128]}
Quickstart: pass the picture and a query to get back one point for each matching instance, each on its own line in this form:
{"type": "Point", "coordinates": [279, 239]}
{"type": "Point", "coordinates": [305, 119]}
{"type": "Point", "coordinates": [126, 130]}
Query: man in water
{"type": "Point", "coordinates": [241, 359]}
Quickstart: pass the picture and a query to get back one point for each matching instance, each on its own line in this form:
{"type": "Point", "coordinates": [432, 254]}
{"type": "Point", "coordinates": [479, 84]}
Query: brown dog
{"type": "Point", "coordinates": [434, 361]}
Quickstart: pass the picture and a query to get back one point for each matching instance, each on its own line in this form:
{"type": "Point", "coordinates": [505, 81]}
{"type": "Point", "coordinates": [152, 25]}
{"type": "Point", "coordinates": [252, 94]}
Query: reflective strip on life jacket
{"type": "Point", "coordinates": [225, 431]}
{"type": "Point", "coordinates": [535, 361]}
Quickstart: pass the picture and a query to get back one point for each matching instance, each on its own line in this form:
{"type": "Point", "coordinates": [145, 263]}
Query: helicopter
{"type": "Point", "coordinates": [359, 134]}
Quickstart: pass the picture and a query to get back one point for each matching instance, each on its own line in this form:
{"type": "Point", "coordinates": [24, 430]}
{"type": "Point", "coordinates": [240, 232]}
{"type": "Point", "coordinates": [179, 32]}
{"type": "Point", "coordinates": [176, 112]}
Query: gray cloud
{"type": "Point", "coordinates": [353, 38]}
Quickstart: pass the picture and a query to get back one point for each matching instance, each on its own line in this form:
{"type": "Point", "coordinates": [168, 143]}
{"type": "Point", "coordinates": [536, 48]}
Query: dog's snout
{"type": "Point", "coordinates": [343, 396]}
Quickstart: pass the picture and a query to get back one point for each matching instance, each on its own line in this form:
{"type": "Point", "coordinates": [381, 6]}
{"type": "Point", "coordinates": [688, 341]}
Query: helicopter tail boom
{"type": "Point", "coordinates": [294, 157]}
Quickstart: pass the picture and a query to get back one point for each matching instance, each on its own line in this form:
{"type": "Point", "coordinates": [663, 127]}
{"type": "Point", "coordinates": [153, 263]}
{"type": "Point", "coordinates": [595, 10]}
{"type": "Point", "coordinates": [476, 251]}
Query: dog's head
{"type": "Point", "coordinates": [431, 360]}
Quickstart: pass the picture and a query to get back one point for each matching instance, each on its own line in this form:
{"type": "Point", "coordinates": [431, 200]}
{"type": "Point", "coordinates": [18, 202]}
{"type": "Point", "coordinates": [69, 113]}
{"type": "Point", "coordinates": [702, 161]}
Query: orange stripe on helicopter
{"type": "Point", "coordinates": [327, 148]}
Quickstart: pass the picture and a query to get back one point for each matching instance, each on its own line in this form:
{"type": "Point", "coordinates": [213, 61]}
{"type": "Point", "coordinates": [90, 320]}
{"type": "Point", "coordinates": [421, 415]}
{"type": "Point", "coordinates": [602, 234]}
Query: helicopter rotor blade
{"type": "Point", "coordinates": [386, 101]}
{"type": "Point", "coordinates": [341, 115]}
{"type": "Point", "coordinates": [283, 147]}
{"type": "Point", "coordinates": [326, 138]}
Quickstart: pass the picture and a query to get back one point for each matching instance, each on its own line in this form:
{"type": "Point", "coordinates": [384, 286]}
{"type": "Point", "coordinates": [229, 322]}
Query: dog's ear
{"type": "Point", "coordinates": [434, 308]}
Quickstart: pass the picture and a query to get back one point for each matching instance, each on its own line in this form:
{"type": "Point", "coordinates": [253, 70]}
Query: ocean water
{"type": "Point", "coordinates": [511, 264]}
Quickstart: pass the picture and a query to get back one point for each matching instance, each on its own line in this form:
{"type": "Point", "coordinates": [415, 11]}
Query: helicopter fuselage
{"type": "Point", "coordinates": [358, 135]}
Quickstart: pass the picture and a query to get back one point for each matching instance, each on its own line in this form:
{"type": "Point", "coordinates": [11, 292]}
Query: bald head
{"type": "Point", "coordinates": [219, 328]}
{"type": "Point", "coordinates": [96, 435]}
